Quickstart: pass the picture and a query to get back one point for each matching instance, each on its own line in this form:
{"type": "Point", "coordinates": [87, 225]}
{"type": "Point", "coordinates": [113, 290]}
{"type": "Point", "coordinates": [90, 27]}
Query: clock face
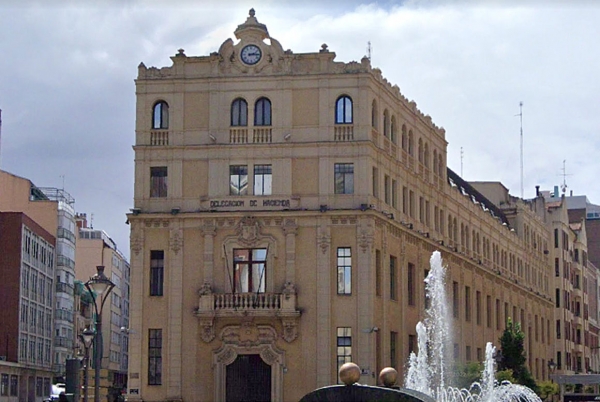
{"type": "Point", "coordinates": [251, 54]}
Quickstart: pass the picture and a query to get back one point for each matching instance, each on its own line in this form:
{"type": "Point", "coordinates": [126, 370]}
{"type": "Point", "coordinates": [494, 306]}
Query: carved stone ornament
{"type": "Point", "coordinates": [137, 242]}
{"type": "Point", "coordinates": [205, 289]}
{"type": "Point", "coordinates": [288, 289]}
{"type": "Point", "coordinates": [290, 227]}
{"type": "Point", "coordinates": [290, 329]}
{"type": "Point", "coordinates": [323, 240]}
{"type": "Point", "coordinates": [207, 329]}
{"type": "Point", "coordinates": [365, 240]}
{"type": "Point", "coordinates": [176, 241]}
{"type": "Point", "coordinates": [248, 230]}
{"type": "Point", "coordinates": [248, 334]}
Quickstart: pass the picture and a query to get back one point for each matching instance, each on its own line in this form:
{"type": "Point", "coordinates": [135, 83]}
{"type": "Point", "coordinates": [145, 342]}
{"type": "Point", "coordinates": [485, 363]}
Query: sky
{"type": "Point", "coordinates": [67, 92]}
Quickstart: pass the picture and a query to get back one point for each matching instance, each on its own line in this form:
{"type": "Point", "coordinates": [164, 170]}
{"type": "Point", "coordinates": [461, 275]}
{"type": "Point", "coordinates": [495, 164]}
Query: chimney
{"type": "Point", "coordinates": [537, 191]}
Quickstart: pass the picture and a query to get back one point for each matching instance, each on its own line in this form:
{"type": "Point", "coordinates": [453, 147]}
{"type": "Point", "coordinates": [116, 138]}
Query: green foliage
{"type": "Point", "coordinates": [467, 374]}
{"type": "Point", "coordinates": [546, 389]}
{"type": "Point", "coordinates": [513, 355]}
{"type": "Point", "coordinates": [505, 375]}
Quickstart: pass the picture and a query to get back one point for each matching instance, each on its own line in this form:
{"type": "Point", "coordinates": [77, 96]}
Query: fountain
{"type": "Point", "coordinates": [427, 370]}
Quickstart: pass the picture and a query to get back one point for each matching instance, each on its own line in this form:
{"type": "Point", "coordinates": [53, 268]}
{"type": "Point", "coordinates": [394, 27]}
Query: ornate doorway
{"type": "Point", "coordinates": [248, 379]}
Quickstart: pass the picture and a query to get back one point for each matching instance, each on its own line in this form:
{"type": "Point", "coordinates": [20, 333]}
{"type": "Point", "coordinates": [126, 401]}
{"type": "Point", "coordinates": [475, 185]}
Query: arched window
{"type": "Point", "coordinates": [239, 112]}
{"type": "Point", "coordinates": [440, 166]}
{"type": "Point", "coordinates": [374, 114]}
{"type": "Point", "coordinates": [426, 155]}
{"type": "Point", "coordinates": [404, 138]}
{"type": "Point", "coordinates": [386, 123]}
{"type": "Point", "coordinates": [160, 115]}
{"type": "Point", "coordinates": [343, 110]}
{"type": "Point", "coordinates": [420, 150]}
{"type": "Point", "coordinates": [262, 112]}
{"type": "Point", "coordinates": [394, 130]}
{"type": "Point", "coordinates": [411, 143]}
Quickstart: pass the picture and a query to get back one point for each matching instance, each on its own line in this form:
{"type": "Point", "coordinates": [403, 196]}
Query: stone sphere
{"type": "Point", "coordinates": [349, 373]}
{"type": "Point", "coordinates": [388, 376]}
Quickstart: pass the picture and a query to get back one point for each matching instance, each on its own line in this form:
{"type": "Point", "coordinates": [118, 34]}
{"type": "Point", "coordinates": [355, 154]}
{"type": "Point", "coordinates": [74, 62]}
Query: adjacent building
{"type": "Point", "coordinates": [96, 248]}
{"type": "Point", "coordinates": [285, 210]}
{"type": "Point", "coordinates": [65, 343]}
{"type": "Point", "coordinates": [28, 221]}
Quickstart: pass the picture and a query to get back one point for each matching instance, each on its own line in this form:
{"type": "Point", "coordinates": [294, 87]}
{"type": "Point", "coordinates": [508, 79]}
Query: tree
{"type": "Point", "coordinates": [513, 355]}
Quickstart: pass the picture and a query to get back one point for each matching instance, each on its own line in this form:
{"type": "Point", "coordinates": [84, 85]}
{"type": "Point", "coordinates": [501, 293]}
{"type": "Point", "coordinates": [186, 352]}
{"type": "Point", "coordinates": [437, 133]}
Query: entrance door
{"type": "Point", "coordinates": [248, 380]}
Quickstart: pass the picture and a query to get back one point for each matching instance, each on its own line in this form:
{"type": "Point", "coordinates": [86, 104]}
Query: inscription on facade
{"type": "Point", "coordinates": [252, 203]}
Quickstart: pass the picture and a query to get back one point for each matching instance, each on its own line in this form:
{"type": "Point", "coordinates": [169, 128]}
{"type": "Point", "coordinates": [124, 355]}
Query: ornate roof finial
{"type": "Point", "coordinates": [252, 12]}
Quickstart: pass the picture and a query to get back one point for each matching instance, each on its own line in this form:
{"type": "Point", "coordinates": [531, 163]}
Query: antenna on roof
{"type": "Point", "coordinates": [369, 49]}
{"type": "Point", "coordinates": [91, 221]}
{"type": "Point", "coordinates": [521, 117]}
{"type": "Point", "coordinates": [564, 174]}
{"type": "Point", "coordinates": [461, 161]}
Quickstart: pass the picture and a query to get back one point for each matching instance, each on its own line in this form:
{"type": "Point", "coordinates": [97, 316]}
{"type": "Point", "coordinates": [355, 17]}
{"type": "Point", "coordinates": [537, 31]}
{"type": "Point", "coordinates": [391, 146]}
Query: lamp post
{"type": "Point", "coordinates": [99, 287]}
{"type": "Point", "coordinates": [551, 368]}
{"type": "Point", "coordinates": [86, 337]}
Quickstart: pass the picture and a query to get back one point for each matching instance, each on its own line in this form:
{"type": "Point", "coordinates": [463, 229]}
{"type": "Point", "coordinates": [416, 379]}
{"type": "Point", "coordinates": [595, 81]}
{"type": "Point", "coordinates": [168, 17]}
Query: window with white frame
{"type": "Point", "coordinates": [263, 177]}
{"type": "Point", "coordinates": [344, 178]}
{"type": "Point", "coordinates": [238, 180]}
{"type": "Point", "coordinates": [344, 270]}
{"type": "Point", "coordinates": [344, 346]}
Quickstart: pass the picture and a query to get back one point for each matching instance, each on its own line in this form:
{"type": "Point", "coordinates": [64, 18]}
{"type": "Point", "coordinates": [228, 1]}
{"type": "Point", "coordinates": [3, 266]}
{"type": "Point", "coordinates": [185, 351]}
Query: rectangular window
{"type": "Point", "coordinates": [393, 278]}
{"type": "Point", "coordinates": [344, 270]}
{"type": "Point", "coordinates": [393, 342]}
{"type": "Point", "coordinates": [344, 346]}
{"type": "Point", "coordinates": [478, 310]}
{"type": "Point", "coordinates": [394, 194]}
{"type": "Point", "coordinates": [488, 310]}
{"type": "Point", "coordinates": [411, 204]}
{"type": "Point", "coordinates": [154, 356]}
{"type": "Point", "coordinates": [39, 386]}
{"type": "Point", "coordinates": [558, 327]}
{"type": "Point", "coordinates": [4, 385]}
{"type": "Point", "coordinates": [344, 178]}
{"type": "Point", "coordinates": [157, 272]}
{"type": "Point", "coordinates": [467, 305]}
{"type": "Point", "coordinates": [238, 180]}
{"type": "Point", "coordinates": [455, 299]}
{"type": "Point", "coordinates": [557, 298]}
{"type": "Point", "coordinates": [556, 239]}
{"type": "Point", "coordinates": [14, 385]}
{"type": "Point", "coordinates": [158, 181]}
{"type": "Point", "coordinates": [426, 298]}
{"type": "Point", "coordinates": [479, 354]}
{"type": "Point", "coordinates": [262, 180]}
{"type": "Point", "coordinates": [421, 210]}
{"type": "Point", "coordinates": [556, 267]}
{"type": "Point", "coordinates": [404, 200]}
{"type": "Point", "coordinates": [468, 353]}
{"type": "Point", "coordinates": [411, 284]}
{"type": "Point", "coordinates": [249, 273]}
{"type": "Point", "coordinates": [387, 190]}
{"type": "Point", "coordinates": [498, 318]}
{"type": "Point", "coordinates": [377, 273]}
{"type": "Point", "coordinates": [375, 182]}
{"type": "Point", "coordinates": [412, 344]}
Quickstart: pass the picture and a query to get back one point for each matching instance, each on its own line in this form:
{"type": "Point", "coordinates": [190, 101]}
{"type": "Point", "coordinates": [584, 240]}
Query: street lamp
{"type": "Point", "coordinates": [86, 337]}
{"type": "Point", "coordinates": [99, 287]}
{"type": "Point", "coordinates": [551, 368]}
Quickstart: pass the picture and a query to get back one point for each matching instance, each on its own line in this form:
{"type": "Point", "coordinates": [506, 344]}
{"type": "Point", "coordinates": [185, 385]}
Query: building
{"type": "Point", "coordinates": [285, 210]}
{"type": "Point", "coordinates": [65, 342]}
{"type": "Point", "coordinates": [27, 268]}
{"type": "Point", "coordinates": [96, 248]}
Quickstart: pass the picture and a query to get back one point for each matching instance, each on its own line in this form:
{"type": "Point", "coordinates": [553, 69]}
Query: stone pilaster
{"type": "Point", "coordinates": [136, 347]}
{"type": "Point", "coordinates": [209, 231]}
{"type": "Point", "coordinates": [364, 279]}
{"type": "Point", "coordinates": [175, 295]}
{"type": "Point", "coordinates": [290, 229]}
{"type": "Point", "coordinates": [324, 339]}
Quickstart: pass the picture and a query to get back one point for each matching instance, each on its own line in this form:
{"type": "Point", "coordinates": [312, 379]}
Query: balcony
{"type": "Point", "coordinates": [280, 306]}
{"type": "Point", "coordinates": [63, 341]}
{"type": "Point", "coordinates": [159, 138]}
{"type": "Point", "coordinates": [343, 132]}
{"type": "Point", "coordinates": [62, 287]}
{"type": "Point", "coordinates": [64, 315]}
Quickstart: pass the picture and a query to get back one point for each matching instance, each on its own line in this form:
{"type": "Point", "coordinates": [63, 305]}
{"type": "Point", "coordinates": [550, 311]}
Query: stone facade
{"type": "Point", "coordinates": [355, 198]}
